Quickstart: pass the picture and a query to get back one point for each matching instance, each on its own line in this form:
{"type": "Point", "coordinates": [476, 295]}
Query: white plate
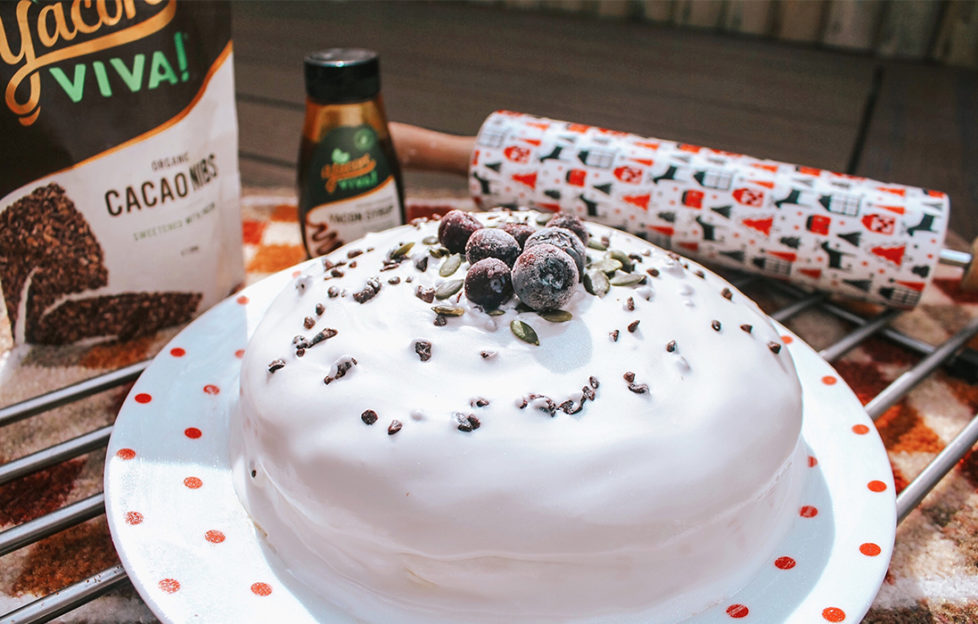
{"type": "Point", "coordinates": [193, 553]}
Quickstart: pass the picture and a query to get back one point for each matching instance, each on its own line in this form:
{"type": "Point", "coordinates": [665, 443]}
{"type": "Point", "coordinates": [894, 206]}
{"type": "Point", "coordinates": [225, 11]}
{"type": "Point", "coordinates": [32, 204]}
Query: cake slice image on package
{"type": "Point", "coordinates": [119, 182]}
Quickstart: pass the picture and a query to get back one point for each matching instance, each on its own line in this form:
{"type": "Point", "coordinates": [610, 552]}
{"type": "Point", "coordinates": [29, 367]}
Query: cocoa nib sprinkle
{"type": "Point", "coordinates": [588, 393]}
{"type": "Point", "coordinates": [320, 308]}
{"type": "Point", "coordinates": [394, 427]}
{"type": "Point", "coordinates": [593, 382]}
{"type": "Point", "coordinates": [440, 320]}
{"type": "Point", "coordinates": [368, 417]}
{"type": "Point", "coordinates": [467, 422]}
{"type": "Point", "coordinates": [630, 304]}
{"type": "Point", "coordinates": [715, 325]}
{"type": "Point", "coordinates": [353, 264]}
{"type": "Point", "coordinates": [775, 347]}
{"type": "Point", "coordinates": [747, 327]}
{"type": "Point", "coordinates": [342, 368]}
{"type": "Point", "coordinates": [629, 376]}
{"type": "Point", "coordinates": [699, 273]}
{"type": "Point", "coordinates": [309, 322]}
{"type": "Point", "coordinates": [394, 281]}
{"type": "Point", "coordinates": [638, 388]}
{"type": "Point", "coordinates": [318, 337]}
{"type": "Point", "coordinates": [421, 263]}
{"type": "Point", "coordinates": [727, 294]}
{"type": "Point", "coordinates": [368, 292]}
{"type": "Point", "coordinates": [671, 346]}
{"type": "Point", "coordinates": [487, 355]}
{"type": "Point", "coordinates": [423, 349]}
{"type": "Point", "coordinates": [654, 272]}
{"type": "Point", "coordinates": [614, 335]}
{"type": "Point", "coordinates": [336, 272]}
{"type": "Point", "coordinates": [353, 253]}
{"type": "Point", "coordinates": [425, 294]}
{"type": "Point", "coordinates": [274, 365]}
{"type": "Point", "coordinates": [479, 402]}
{"type": "Point", "coordinates": [633, 327]}
{"type": "Point", "coordinates": [333, 292]}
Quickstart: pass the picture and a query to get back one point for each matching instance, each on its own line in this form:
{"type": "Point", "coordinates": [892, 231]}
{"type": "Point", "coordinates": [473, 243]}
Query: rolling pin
{"type": "Point", "coordinates": [861, 238]}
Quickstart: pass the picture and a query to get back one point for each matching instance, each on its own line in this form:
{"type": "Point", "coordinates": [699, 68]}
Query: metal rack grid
{"type": "Point", "coordinates": [951, 354]}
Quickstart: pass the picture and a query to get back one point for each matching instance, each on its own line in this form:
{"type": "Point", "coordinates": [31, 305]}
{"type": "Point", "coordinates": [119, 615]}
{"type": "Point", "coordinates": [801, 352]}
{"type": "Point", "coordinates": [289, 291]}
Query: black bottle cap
{"type": "Point", "coordinates": [342, 75]}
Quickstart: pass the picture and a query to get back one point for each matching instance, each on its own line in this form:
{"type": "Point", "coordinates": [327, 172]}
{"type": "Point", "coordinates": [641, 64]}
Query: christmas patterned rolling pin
{"type": "Point", "coordinates": [843, 234]}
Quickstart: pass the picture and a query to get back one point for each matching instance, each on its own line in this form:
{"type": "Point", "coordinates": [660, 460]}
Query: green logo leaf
{"type": "Point", "coordinates": [340, 157]}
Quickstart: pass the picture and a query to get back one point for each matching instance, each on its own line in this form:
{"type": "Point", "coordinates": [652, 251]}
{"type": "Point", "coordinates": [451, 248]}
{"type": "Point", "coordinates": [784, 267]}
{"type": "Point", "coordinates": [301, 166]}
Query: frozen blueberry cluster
{"type": "Point", "coordinates": [542, 267]}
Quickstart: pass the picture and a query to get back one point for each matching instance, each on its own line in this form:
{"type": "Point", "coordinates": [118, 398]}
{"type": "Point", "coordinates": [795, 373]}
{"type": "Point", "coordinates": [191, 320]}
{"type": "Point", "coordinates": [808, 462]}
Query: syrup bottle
{"type": "Point", "coordinates": [349, 180]}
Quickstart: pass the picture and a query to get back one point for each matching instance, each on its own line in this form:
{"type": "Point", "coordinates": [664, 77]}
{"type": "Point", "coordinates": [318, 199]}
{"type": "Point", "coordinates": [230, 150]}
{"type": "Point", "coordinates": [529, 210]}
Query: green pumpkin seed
{"type": "Point", "coordinates": [438, 252]}
{"type": "Point", "coordinates": [495, 312]}
{"type": "Point", "coordinates": [543, 218]}
{"type": "Point", "coordinates": [524, 332]}
{"type": "Point", "coordinates": [430, 240]}
{"type": "Point", "coordinates": [626, 262]}
{"type": "Point", "coordinates": [606, 265]}
{"type": "Point", "coordinates": [447, 289]}
{"type": "Point", "coordinates": [448, 310]}
{"type": "Point", "coordinates": [402, 251]}
{"type": "Point", "coordinates": [557, 316]}
{"type": "Point", "coordinates": [522, 307]}
{"type": "Point", "coordinates": [628, 279]}
{"type": "Point", "coordinates": [594, 243]}
{"type": "Point", "coordinates": [450, 265]}
{"type": "Point", "coordinates": [596, 283]}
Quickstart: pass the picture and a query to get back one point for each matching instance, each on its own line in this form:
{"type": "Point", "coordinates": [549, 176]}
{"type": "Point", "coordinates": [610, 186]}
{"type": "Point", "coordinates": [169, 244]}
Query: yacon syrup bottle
{"type": "Point", "coordinates": [349, 179]}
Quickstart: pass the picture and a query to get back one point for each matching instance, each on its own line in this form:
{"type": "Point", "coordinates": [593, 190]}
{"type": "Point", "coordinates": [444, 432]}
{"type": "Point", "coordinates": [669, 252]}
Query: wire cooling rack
{"type": "Point", "coordinates": [952, 355]}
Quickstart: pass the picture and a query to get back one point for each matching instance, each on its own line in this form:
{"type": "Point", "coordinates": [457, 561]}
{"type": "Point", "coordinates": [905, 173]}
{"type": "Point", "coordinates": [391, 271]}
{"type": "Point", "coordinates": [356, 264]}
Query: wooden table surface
{"type": "Point", "coordinates": [446, 66]}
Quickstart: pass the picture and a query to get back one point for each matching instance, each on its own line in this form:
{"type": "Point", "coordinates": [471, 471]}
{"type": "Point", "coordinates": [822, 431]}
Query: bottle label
{"type": "Point", "coordinates": [350, 190]}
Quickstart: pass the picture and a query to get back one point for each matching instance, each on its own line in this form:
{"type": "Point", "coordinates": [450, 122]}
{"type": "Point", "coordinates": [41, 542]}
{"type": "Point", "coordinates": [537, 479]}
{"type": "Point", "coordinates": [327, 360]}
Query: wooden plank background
{"type": "Point", "coordinates": [448, 65]}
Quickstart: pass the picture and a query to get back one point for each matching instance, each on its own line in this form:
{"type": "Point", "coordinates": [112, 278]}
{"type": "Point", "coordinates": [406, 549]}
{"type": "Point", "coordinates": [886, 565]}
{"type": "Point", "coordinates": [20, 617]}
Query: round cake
{"type": "Point", "coordinates": [631, 453]}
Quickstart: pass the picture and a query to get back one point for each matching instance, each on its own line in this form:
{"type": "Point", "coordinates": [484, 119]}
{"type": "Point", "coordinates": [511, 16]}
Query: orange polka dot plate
{"type": "Point", "coordinates": [193, 553]}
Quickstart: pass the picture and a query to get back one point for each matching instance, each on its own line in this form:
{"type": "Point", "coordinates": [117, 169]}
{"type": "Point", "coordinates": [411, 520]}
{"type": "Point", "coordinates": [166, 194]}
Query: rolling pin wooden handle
{"type": "Point", "coordinates": [969, 280]}
{"type": "Point", "coordinates": [421, 149]}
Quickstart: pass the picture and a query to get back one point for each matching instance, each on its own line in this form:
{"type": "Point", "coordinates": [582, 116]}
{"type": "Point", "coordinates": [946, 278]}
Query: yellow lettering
{"type": "Point", "coordinates": [26, 43]}
{"type": "Point", "coordinates": [76, 18]}
{"type": "Point", "coordinates": [29, 109]}
{"type": "Point", "coordinates": [61, 31]}
{"type": "Point", "coordinates": [103, 15]}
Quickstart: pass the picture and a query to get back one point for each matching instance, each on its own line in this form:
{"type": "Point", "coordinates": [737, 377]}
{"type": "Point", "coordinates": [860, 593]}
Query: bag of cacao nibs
{"type": "Point", "coordinates": [118, 166]}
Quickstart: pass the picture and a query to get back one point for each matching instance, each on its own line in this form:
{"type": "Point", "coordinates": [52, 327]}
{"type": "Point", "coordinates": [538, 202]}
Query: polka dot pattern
{"type": "Point", "coordinates": [784, 563]}
{"type": "Point", "coordinates": [868, 546]}
{"type": "Point", "coordinates": [870, 549]}
{"type": "Point", "coordinates": [169, 585]}
{"type": "Point", "coordinates": [738, 611]}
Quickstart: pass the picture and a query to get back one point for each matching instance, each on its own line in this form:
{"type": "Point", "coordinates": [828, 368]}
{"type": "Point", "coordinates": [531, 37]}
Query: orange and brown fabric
{"type": "Point", "coordinates": [933, 576]}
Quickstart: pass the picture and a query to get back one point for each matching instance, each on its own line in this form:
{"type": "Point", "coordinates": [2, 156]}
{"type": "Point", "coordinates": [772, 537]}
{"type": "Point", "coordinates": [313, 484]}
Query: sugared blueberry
{"type": "Point", "coordinates": [488, 283]}
{"type": "Point", "coordinates": [519, 231]}
{"type": "Point", "coordinates": [491, 243]}
{"type": "Point", "coordinates": [564, 239]}
{"type": "Point", "coordinates": [544, 277]}
{"type": "Point", "coordinates": [572, 223]}
{"type": "Point", "coordinates": [455, 228]}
